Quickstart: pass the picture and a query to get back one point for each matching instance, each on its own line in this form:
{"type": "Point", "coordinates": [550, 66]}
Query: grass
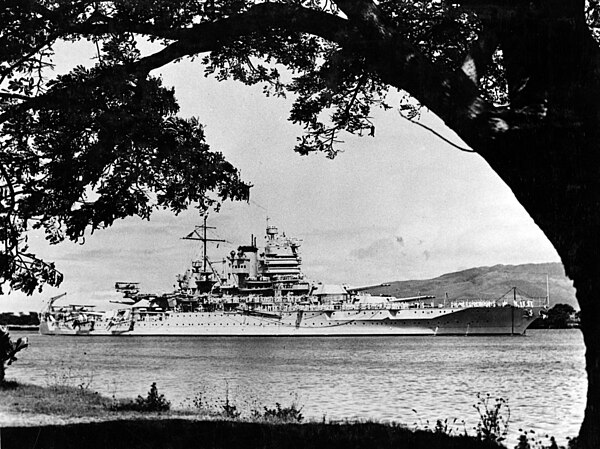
{"type": "Point", "coordinates": [56, 400]}
{"type": "Point", "coordinates": [61, 404]}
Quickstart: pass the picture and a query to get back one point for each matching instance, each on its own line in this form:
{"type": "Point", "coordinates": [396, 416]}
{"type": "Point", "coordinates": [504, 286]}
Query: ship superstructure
{"type": "Point", "coordinates": [263, 292]}
{"type": "Point", "coordinates": [273, 271]}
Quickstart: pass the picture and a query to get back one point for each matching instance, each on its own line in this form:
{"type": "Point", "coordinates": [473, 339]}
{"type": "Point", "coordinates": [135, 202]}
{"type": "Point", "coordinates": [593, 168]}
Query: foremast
{"type": "Point", "coordinates": [203, 278]}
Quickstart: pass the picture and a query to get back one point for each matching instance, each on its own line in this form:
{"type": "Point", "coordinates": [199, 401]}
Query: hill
{"type": "Point", "coordinates": [490, 283]}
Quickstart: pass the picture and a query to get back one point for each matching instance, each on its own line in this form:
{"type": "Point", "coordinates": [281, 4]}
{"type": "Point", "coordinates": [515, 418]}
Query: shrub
{"type": "Point", "coordinates": [447, 427]}
{"type": "Point", "coordinates": [284, 414]}
{"type": "Point", "coordinates": [494, 416]}
{"type": "Point", "coordinates": [8, 350]}
{"type": "Point", "coordinates": [153, 402]}
{"type": "Point", "coordinates": [230, 410]}
{"type": "Point", "coordinates": [523, 442]}
{"type": "Point", "coordinates": [528, 440]}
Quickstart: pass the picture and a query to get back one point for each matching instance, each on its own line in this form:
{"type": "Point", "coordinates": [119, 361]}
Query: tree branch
{"type": "Point", "coordinates": [99, 25]}
{"type": "Point", "coordinates": [259, 18]}
{"type": "Point", "coordinates": [14, 96]}
{"type": "Point", "coordinates": [452, 96]}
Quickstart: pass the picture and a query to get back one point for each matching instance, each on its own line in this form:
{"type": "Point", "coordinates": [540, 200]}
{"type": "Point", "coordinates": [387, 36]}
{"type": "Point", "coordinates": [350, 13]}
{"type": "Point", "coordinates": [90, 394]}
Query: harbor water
{"type": "Point", "coordinates": [410, 380]}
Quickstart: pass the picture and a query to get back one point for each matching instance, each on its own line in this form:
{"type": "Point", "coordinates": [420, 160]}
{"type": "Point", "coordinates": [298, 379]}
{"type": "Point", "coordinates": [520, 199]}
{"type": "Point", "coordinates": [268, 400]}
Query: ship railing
{"type": "Point", "coordinates": [343, 307]}
{"type": "Point", "coordinates": [473, 303]}
{"type": "Point", "coordinates": [504, 302]}
{"type": "Point", "coordinates": [416, 305]}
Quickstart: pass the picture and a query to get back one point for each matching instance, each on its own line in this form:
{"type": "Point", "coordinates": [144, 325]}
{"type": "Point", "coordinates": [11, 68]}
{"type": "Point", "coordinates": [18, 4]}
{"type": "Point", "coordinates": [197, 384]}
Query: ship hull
{"type": "Point", "coordinates": [468, 321]}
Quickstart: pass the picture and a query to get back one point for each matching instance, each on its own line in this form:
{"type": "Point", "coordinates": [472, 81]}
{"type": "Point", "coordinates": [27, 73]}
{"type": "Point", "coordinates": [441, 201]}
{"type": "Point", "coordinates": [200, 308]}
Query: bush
{"type": "Point", "coordinates": [8, 350]}
{"type": "Point", "coordinates": [283, 414]}
{"type": "Point", "coordinates": [494, 417]}
{"type": "Point", "coordinates": [230, 410]}
{"type": "Point", "coordinates": [528, 440]}
{"type": "Point", "coordinates": [154, 402]}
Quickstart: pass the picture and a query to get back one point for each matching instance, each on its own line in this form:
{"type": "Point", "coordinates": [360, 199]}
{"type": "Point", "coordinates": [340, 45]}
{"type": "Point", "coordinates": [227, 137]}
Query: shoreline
{"type": "Point", "coordinates": [68, 417]}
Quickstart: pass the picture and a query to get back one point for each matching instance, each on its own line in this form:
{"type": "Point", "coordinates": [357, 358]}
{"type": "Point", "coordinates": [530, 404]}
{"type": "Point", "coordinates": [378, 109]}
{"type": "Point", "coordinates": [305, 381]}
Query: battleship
{"type": "Point", "coordinates": [263, 292]}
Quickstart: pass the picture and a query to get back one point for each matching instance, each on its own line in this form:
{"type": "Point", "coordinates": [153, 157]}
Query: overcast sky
{"type": "Point", "coordinates": [401, 205]}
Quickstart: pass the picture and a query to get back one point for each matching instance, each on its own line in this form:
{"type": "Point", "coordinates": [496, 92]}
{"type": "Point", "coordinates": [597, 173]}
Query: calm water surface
{"type": "Point", "coordinates": [404, 379]}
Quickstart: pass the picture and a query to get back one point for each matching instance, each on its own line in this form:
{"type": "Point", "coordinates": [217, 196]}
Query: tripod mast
{"type": "Point", "coordinates": [199, 234]}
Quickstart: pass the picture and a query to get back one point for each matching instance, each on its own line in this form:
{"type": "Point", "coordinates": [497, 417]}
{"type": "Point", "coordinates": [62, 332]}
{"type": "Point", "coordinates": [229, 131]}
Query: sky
{"type": "Point", "coordinates": [401, 205]}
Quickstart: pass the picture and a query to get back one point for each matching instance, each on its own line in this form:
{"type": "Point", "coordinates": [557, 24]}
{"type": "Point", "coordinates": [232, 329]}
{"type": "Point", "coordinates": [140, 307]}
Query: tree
{"type": "Point", "coordinates": [517, 81]}
{"type": "Point", "coordinates": [559, 316]}
{"type": "Point", "coordinates": [8, 350]}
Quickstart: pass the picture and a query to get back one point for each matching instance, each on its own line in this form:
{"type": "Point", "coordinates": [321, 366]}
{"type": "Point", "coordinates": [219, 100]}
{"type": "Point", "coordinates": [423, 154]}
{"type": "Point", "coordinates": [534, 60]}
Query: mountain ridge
{"type": "Point", "coordinates": [490, 282]}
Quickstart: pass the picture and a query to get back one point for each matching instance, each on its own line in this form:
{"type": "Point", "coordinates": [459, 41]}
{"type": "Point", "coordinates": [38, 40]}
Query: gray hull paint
{"type": "Point", "coordinates": [506, 320]}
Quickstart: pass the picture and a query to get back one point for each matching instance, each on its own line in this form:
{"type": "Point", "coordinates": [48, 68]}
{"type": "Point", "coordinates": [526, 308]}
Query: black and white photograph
{"type": "Point", "coordinates": [300, 224]}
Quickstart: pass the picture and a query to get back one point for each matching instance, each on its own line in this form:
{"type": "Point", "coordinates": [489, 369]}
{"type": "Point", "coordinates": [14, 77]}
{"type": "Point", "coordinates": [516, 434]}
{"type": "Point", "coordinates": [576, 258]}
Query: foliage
{"type": "Point", "coordinates": [83, 149]}
{"type": "Point", "coordinates": [153, 402]}
{"type": "Point", "coordinates": [283, 414]}
{"type": "Point", "coordinates": [528, 440]}
{"type": "Point", "coordinates": [245, 409]}
{"type": "Point", "coordinates": [8, 350]}
{"type": "Point", "coordinates": [494, 416]}
{"type": "Point", "coordinates": [445, 426]}
{"type": "Point", "coordinates": [559, 316]}
{"type": "Point", "coordinates": [229, 410]}
{"type": "Point", "coordinates": [91, 146]}
{"type": "Point", "coordinates": [442, 426]}
{"type": "Point", "coordinates": [27, 319]}
{"type": "Point", "coordinates": [492, 427]}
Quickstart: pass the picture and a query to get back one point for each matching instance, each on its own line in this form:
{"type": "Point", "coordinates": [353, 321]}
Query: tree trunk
{"type": "Point", "coordinates": [588, 295]}
{"type": "Point", "coordinates": [549, 158]}
{"type": "Point", "coordinates": [554, 174]}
